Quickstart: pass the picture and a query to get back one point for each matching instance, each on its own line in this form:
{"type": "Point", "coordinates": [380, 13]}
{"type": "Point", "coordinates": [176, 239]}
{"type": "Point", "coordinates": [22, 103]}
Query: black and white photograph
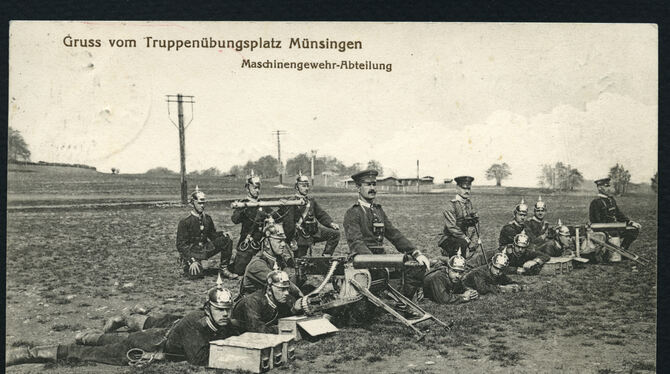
{"type": "Point", "coordinates": [331, 197]}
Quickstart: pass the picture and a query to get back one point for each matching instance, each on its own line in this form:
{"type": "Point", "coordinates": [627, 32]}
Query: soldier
{"type": "Point", "coordinates": [515, 226]}
{"type": "Point", "coordinates": [536, 227]}
{"type": "Point", "coordinates": [492, 279]}
{"type": "Point", "coordinates": [260, 311]}
{"type": "Point", "coordinates": [158, 337]}
{"type": "Point", "coordinates": [269, 258]}
{"type": "Point", "coordinates": [252, 220]}
{"type": "Point", "coordinates": [460, 221]}
{"type": "Point", "coordinates": [443, 284]}
{"type": "Point", "coordinates": [197, 240]}
{"type": "Point", "coordinates": [604, 209]}
{"type": "Point", "coordinates": [522, 259]}
{"type": "Point", "coordinates": [560, 244]}
{"type": "Point", "coordinates": [366, 225]}
{"type": "Point", "coordinates": [302, 222]}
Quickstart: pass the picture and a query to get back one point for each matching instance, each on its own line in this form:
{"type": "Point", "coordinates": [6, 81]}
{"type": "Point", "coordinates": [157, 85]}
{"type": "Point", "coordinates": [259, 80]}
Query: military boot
{"type": "Point", "coordinates": [225, 273]}
{"type": "Point", "coordinates": [116, 322]}
{"type": "Point", "coordinates": [87, 337]}
{"type": "Point", "coordinates": [37, 355]}
{"type": "Point", "coordinates": [135, 322]}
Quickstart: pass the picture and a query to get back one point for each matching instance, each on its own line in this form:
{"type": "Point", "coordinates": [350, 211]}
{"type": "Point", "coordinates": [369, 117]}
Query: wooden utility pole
{"type": "Point", "coordinates": [182, 138]}
{"type": "Point", "coordinates": [280, 167]}
{"type": "Point", "coordinates": [418, 180]}
{"type": "Point", "coordinates": [313, 153]}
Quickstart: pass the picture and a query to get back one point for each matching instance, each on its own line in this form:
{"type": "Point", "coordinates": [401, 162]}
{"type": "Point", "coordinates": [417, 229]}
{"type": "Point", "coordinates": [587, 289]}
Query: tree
{"type": "Point", "coordinates": [620, 178]}
{"type": "Point", "coordinates": [17, 148]}
{"type": "Point", "coordinates": [560, 177]}
{"type": "Point", "coordinates": [498, 172]}
{"type": "Point", "coordinates": [654, 183]}
{"type": "Point", "coordinates": [160, 171]}
{"type": "Point", "coordinates": [376, 165]}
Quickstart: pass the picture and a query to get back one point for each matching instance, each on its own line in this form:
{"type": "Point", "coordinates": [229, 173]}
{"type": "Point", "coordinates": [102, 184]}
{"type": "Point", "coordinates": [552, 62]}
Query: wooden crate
{"type": "Point", "coordinates": [235, 354]}
{"type": "Point", "coordinates": [287, 342]}
{"type": "Point", "coordinates": [300, 327]}
{"type": "Point", "coordinates": [557, 265]}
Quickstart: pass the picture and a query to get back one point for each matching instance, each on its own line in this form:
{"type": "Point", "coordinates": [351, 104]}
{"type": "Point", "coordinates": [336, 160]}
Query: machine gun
{"type": "Point", "coordinates": [588, 230]}
{"type": "Point", "coordinates": [366, 276]}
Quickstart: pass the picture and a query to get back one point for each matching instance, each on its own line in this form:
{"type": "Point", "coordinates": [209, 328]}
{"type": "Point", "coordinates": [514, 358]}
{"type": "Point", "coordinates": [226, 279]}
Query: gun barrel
{"type": "Point", "coordinates": [612, 225]}
{"type": "Point", "coordinates": [380, 261]}
{"type": "Point", "coordinates": [267, 203]}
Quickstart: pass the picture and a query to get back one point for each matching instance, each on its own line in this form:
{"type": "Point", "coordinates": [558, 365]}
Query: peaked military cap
{"type": "Point", "coordinates": [464, 181]}
{"type": "Point", "coordinates": [365, 176]}
{"type": "Point", "coordinates": [600, 182]}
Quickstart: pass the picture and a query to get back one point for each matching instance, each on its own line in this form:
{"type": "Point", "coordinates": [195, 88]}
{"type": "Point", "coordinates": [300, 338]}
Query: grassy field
{"type": "Point", "coordinates": [69, 269]}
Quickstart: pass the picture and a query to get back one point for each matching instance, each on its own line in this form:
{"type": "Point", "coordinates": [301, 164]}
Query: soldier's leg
{"type": "Point", "coordinates": [330, 236]}
{"type": "Point", "coordinates": [224, 245]}
{"type": "Point", "coordinates": [414, 277]}
{"type": "Point", "coordinates": [451, 245]}
{"type": "Point", "coordinates": [111, 354]}
{"type": "Point", "coordinates": [242, 258]}
{"type": "Point", "coordinates": [628, 236]}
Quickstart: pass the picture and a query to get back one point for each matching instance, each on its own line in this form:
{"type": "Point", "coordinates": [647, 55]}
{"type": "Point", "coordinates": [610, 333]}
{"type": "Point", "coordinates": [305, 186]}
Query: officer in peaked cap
{"type": "Point", "coordinates": [515, 226]}
{"type": "Point", "coordinates": [604, 209]}
{"type": "Point", "coordinates": [460, 220]}
{"type": "Point", "coordinates": [366, 225]}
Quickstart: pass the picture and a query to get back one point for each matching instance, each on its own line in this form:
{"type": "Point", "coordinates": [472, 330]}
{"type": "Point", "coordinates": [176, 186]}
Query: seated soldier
{"type": "Point", "coordinates": [443, 284]}
{"type": "Point", "coordinates": [491, 279]}
{"type": "Point", "coordinates": [261, 310]}
{"type": "Point", "coordinates": [515, 226]}
{"type": "Point", "coordinates": [536, 227]}
{"type": "Point", "coordinates": [198, 240]}
{"type": "Point", "coordinates": [165, 336]}
{"type": "Point", "coordinates": [269, 258]}
{"type": "Point", "coordinates": [560, 245]}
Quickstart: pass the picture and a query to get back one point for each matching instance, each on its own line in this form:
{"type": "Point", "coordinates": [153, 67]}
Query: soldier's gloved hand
{"type": "Point", "coordinates": [520, 270]}
{"type": "Point", "coordinates": [334, 226]}
{"type": "Point", "coordinates": [194, 268]}
{"type": "Point", "coordinates": [529, 264]}
{"type": "Point", "coordinates": [421, 259]}
{"type": "Point", "coordinates": [471, 294]}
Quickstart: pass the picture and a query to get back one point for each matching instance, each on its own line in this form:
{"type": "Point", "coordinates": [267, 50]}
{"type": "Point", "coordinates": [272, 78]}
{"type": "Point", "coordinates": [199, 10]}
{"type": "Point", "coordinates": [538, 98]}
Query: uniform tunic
{"type": "Point", "coordinates": [535, 228]}
{"type": "Point", "coordinates": [358, 227]}
{"type": "Point", "coordinates": [604, 209]}
{"type": "Point", "coordinates": [197, 238]}
{"type": "Point", "coordinates": [252, 225]}
{"type": "Point", "coordinates": [439, 288]}
{"type": "Point", "coordinates": [517, 260]}
{"type": "Point", "coordinates": [508, 232]}
{"type": "Point", "coordinates": [316, 233]}
{"type": "Point", "coordinates": [482, 280]}
{"type": "Point", "coordinates": [256, 274]}
{"type": "Point", "coordinates": [553, 248]}
{"type": "Point", "coordinates": [456, 229]}
{"type": "Point", "coordinates": [257, 313]}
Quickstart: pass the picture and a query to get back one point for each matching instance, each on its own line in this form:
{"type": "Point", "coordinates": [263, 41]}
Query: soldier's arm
{"type": "Point", "coordinates": [620, 217]}
{"type": "Point", "coordinates": [504, 235]}
{"type": "Point", "coordinates": [321, 215]}
{"type": "Point", "coordinates": [450, 222]}
{"type": "Point", "coordinates": [594, 211]}
{"type": "Point", "coordinates": [504, 280]}
{"type": "Point", "coordinates": [194, 346]}
{"type": "Point", "coordinates": [352, 229]}
{"type": "Point", "coordinates": [438, 290]}
{"type": "Point", "coordinates": [394, 235]}
{"type": "Point", "coordinates": [254, 320]}
{"type": "Point", "coordinates": [238, 215]}
{"type": "Point", "coordinates": [184, 245]}
{"type": "Point", "coordinates": [533, 254]}
{"type": "Point", "coordinates": [257, 273]}
{"type": "Point", "coordinates": [211, 229]}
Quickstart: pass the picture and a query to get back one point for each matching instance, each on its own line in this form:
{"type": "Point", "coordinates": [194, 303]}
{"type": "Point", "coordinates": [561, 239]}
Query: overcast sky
{"type": "Point", "coordinates": [459, 98]}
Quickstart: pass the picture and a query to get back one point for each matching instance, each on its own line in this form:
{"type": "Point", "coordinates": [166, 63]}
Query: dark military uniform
{"type": "Point", "coordinates": [310, 231]}
{"type": "Point", "coordinates": [256, 274]}
{"type": "Point", "coordinates": [517, 260]}
{"type": "Point", "coordinates": [536, 228]}
{"type": "Point", "coordinates": [181, 339]}
{"type": "Point", "coordinates": [553, 248]}
{"type": "Point", "coordinates": [440, 289]}
{"type": "Point", "coordinates": [251, 234]}
{"type": "Point", "coordinates": [482, 280]}
{"type": "Point", "coordinates": [604, 209]}
{"type": "Point", "coordinates": [197, 238]}
{"type": "Point", "coordinates": [457, 227]}
{"type": "Point", "coordinates": [257, 313]}
{"type": "Point", "coordinates": [509, 231]}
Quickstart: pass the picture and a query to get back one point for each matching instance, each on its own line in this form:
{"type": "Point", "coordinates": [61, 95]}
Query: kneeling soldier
{"type": "Point", "coordinates": [536, 227]}
{"type": "Point", "coordinates": [443, 284]}
{"type": "Point", "coordinates": [492, 278]}
{"type": "Point", "coordinates": [166, 336]}
{"type": "Point", "coordinates": [515, 226]}
{"type": "Point", "coordinates": [261, 310]}
{"type": "Point", "coordinates": [198, 240]}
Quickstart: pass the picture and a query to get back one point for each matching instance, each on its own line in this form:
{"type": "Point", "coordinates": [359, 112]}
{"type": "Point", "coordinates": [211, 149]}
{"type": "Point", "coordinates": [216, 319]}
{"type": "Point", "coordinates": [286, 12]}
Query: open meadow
{"type": "Point", "coordinates": [68, 269]}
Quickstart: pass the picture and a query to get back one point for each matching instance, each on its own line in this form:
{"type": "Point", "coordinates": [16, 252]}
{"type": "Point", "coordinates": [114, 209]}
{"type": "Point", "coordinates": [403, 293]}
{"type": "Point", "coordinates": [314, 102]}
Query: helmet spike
{"type": "Point", "coordinates": [522, 202]}
{"type": "Point", "coordinates": [539, 198]}
{"type": "Point", "coordinates": [459, 252]}
{"type": "Point", "coordinates": [219, 282]}
{"type": "Point", "coordinates": [559, 222]}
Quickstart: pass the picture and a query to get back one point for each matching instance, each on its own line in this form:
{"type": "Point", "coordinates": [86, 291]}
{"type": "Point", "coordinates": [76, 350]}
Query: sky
{"type": "Point", "coordinates": [460, 96]}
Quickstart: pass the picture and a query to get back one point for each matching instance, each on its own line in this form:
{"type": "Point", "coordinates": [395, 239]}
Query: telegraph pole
{"type": "Point", "coordinates": [418, 180]}
{"type": "Point", "coordinates": [280, 167]}
{"type": "Point", "coordinates": [182, 138]}
{"type": "Point", "coordinates": [313, 154]}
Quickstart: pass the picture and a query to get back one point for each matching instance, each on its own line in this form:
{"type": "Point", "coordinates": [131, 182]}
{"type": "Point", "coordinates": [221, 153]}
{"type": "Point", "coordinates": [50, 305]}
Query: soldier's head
{"type": "Point", "coordinates": [275, 239]}
{"type": "Point", "coordinates": [499, 262]}
{"type": "Point", "coordinates": [520, 212]}
{"type": "Point", "coordinates": [253, 185]}
{"type": "Point", "coordinates": [464, 185]}
{"type": "Point", "coordinates": [521, 242]}
{"type": "Point", "coordinates": [278, 285]}
{"type": "Point", "coordinates": [456, 267]}
{"type": "Point", "coordinates": [219, 304]}
{"type": "Point", "coordinates": [366, 181]}
{"type": "Point", "coordinates": [540, 208]}
{"type": "Point", "coordinates": [197, 200]}
{"type": "Point", "coordinates": [563, 234]}
{"type": "Point", "coordinates": [302, 184]}
{"type": "Point", "coordinates": [604, 186]}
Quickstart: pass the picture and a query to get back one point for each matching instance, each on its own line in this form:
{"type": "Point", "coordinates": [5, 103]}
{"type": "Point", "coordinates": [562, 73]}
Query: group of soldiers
{"type": "Point", "coordinates": [270, 239]}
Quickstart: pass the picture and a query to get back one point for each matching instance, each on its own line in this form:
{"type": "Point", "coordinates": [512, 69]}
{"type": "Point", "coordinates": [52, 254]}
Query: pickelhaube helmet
{"type": "Point", "coordinates": [457, 262]}
{"type": "Point", "coordinates": [278, 278]}
{"type": "Point", "coordinates": [198, 195]}
{"type": "Point", "coordinates": [521, 207]}
{"type": "Point", "coordinates": [562, 230]}
{"type": "Point", "coordinates": [274, 230]}
{"type": "Point", "coordinates": [539, 205]}
{"type": "Point", "coordinates": [301, 178]}
{"type": "Point", "coordinates": [219, 297]}
{"type": "Point", "coordinates": [522, 240]}
{"type": "Point", "coordinates": [253, 179]}
{"type": "Point", "coordinates": [500, 260]}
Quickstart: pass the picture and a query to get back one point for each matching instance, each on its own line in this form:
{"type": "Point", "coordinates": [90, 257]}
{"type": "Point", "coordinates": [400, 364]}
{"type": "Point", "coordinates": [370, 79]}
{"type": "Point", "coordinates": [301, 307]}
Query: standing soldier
{"type": "Point", "coordinates": [443, 284]}
{"type": "Point", "coordinates": [460, 221]}
{"type": "Point", "coordinates": [604, 209]}
{"type": "Point", "coordinates": [492, 278]}
{"type": "Point", "coordinates": [251, 219]}
{"type": "Point", "coordinates": [366, 225]}
{"type": "Point", "coordinates": [198, 240]}
{"type": "Point", "coordinates": [302, 222]}
{"type": "Point", "coordinates": [536, 227]}
{"type": "Point", "coordinates": [515, 226]}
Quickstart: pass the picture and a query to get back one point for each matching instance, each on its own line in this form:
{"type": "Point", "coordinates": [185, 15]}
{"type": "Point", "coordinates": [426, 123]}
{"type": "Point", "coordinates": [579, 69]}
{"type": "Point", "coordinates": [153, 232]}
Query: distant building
{"type": "Point", "coordinates": [394, 181]}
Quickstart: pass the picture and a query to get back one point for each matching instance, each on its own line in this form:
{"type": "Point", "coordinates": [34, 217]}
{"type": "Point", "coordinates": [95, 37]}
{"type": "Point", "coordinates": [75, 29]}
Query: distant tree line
{"type": "Point", "coordinates": [266, 166]}
{"type": "Point", "coordinates": [560, 176]}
